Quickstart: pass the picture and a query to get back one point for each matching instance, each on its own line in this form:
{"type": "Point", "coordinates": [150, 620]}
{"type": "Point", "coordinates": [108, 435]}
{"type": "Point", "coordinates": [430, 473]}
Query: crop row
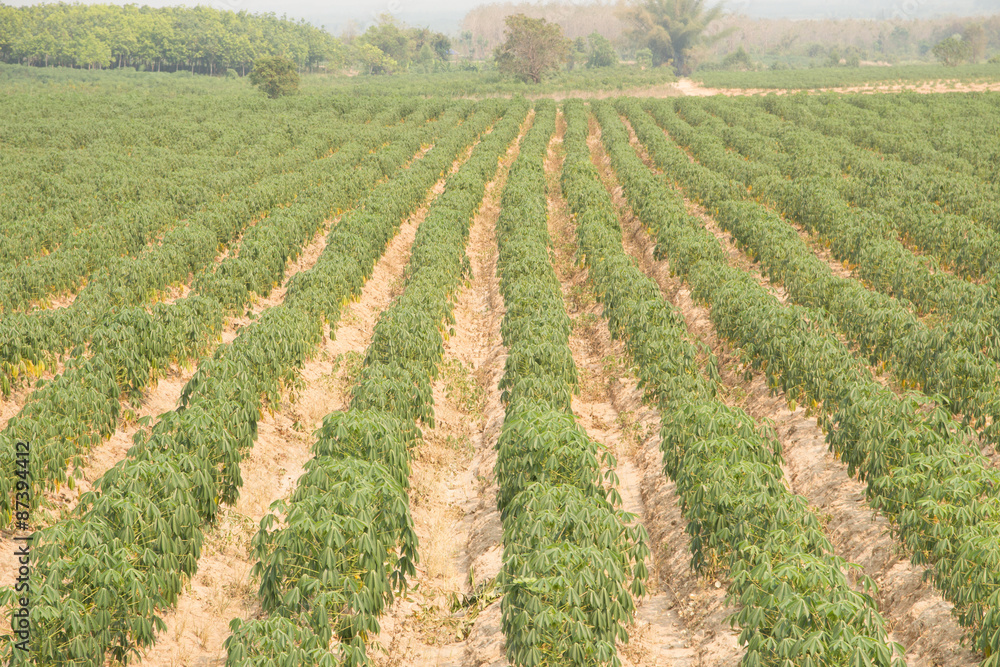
{"type": "Point", "coordinates": [921, 469]}
{"type": "Point", "coordinates": [30, 341]}
{"type": "Point", "coordinates": [81, 406]}
{"type": "Point", "coordinates": [571, 560]}
{"type": "Point", "coordinates": [915, 128]}
{"type": "Point", "coordinates": [347, 541]}
{"type": "Point", "coordinates": [103, 574]}
{"type": "Point", "coordinates": [796, 602]}
{"type": "Point", "coordinates": [957, 192]}
{"type": "Point", "coordinates": [866, 240]}
{"type": "Point", "coordinates": [137, 221]}
{"type": "Point", "coordinates": [956, 241]}
{"type": "Point", "coordinates": [883, 328]}
{"type": "Point", "coordinates": [78, 165]}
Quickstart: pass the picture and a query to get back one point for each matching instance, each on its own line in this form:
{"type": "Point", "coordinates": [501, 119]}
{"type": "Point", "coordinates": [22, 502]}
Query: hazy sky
{"type": "Point", "coordinates": [446, 15]}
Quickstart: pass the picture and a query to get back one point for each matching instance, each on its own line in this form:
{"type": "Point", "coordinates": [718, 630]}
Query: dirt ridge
{"type": "Point", "coordinates": [222, 587]}
{"type": "Point", "coordinates": [453, 493]}
{"type": "Point", "coordinates": [916, 615]}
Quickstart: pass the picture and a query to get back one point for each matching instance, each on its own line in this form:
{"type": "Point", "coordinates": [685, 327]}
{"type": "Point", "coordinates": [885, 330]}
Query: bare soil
{"type": "Point", "coordinates": [684, 621]}
{"type": "Point", "coordinates": [451, 617]}
{"type": "Point", "coordinates": [689, 87]}
{"type": "Point", "coordinates": [918, 617]}
{"type": "Point", "coordinates": [223, 588]}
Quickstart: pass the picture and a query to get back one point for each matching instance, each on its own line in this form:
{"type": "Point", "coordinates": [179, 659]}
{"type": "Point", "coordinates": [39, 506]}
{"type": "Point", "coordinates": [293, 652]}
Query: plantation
{"type": "Point", "coordinates": [356, 378]}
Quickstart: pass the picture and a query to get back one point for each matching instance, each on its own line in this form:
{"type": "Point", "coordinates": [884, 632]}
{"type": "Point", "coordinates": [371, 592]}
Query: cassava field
{"type": "Point", "coordinates": [348, 378]}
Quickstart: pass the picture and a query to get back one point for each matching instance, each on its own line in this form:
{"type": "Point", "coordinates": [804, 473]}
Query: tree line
{"type": "Point", "coordinates": [200, 39]}
{"type": "Point", "coordinates": [635, 26]}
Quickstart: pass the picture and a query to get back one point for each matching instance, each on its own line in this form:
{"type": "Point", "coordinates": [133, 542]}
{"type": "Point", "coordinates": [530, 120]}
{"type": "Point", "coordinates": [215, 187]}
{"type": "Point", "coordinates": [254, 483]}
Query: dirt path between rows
{"type": "Point", "coordinates": [918, 617]}
{"type": "Point", "coordinates": [9, 407]}
{"type": "Point", "coordinates": [451, 618]}
{"type": "Point", "coordinates": [222, 588]}
{"type": "Point", "coordinates": [683, 621]}
{"type": "Point", "coordinates": [161, 398]}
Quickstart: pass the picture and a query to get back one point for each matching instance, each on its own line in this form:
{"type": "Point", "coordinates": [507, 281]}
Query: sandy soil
{"type": "Point", "coordinates": [685, 86]}
{"type": "Point", "coordinates": [13, 405]}
{"type": "Point", "coordinates": [688, 87]}
{"type": "Point", "coordinates": [917, 616]}
{"type": "Point", "coordinates": [684, 620]}
{"type": "Point", "coordinates": [23, 389]}
{"type": "Point", "coordinates": [882, 374]}
{"type": "Point", "coordinates": [222, 588]}
{"type": "Point", "coordinates": [440, 621]}
{"type": "Point", "coordinates": [163, 397]}
{"type": "Point", "coordinates": [56, 301]}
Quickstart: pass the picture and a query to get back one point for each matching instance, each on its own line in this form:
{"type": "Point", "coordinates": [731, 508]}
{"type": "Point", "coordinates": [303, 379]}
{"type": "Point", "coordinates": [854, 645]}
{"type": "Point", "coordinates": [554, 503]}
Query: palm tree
{"type": "Point", "coordinates": [671, 28]}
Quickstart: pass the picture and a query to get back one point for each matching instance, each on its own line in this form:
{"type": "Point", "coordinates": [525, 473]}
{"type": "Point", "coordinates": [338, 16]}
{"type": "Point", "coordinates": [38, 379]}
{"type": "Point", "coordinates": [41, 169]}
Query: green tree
{"type": "Point", "coordinates": [738, 60]}
{"type": "Point", "coordinates": [852, 56]}
{"type": "Point", "coordinates": [391, 39]}
{"type": "Point", "coordinates": [90, 52]}
{"type": "Point", "coordinates": [578, 54]}
{"type": "Point", "coordinates": [371, 58]}
{"type": "Point", "coordinates": [427, 57]}
{"type": "Point", "coordinates": [441, 44]}
{"type": "Point", "coordinates": [952, 50]}
{"type": "Point", "coordinates": [602, 53]}
{"type": "Point", "coordinates": [275, 75]}
{"type": "Point", "coordinates": [533, 48]}
{"type": "Point", "coordinates": [670, 29]}
{"type": "Point", "coordinates": [200, 39]}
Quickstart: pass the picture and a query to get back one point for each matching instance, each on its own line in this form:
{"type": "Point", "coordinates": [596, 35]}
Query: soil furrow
{"type": "Point", "coordinates": [451, 615]}
{"type": "Point", "coordinates": [222, 588]}
{"type": "Point", "coordinates": [160, 399]}
{"type": "Point", "coordinates": [918, 617]}
{"type": "Point", "coordinates": [737, 257]}
{"type": "Point", "coordinates": [683, 620]}
{"type": "Point", "coordinates": [695, 88]}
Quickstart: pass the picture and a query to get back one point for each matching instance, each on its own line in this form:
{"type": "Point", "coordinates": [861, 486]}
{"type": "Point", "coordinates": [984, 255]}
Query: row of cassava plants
{"type": "Point", "coordinates": [932, 358]}
{"type": "Point", "coordinates": [957, 192]}
{"type": "Point", "coordinates": [910, 126]}
{"type": "Point", "coordinates": [921, 469]}
{"type": "Point", "coordinates": [796, 603]}
{"type": "Point", "coordinates": [78, 159]}
{"type": "Point", "coordinates": [862, 178]}
{"type": "Point", "coordinates": [65, 249]}
{"type": "Point", "coordinates": [82, 406]}
{"type": "Point", "coordinates": [346, 543]}
{"type": "Point", "coordinates": [30, 341]}
{"type": "Point", "coordinates": [572, 561]}
{"type": "Point", "coordinates": [865, 238]}
{"type": "Point", "coordinates": [104, 574]}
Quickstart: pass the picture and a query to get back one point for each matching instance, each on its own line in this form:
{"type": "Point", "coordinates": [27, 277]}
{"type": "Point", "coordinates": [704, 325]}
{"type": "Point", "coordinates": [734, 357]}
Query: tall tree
{"type": "Point", "coordinates": [602, 53]}
{"type": "Point", "coordinates": [672, 28]}
{"type": "Point", "coordinates": [371, 58]}
{"type": "Point", "coordinates": [200, 39]}
{"type": "Point", "coordinates": [275, 75]}
{"type": "Point", "coordinates": [952, 51]}
{"type": "Point", "coordinates": [533, 48]}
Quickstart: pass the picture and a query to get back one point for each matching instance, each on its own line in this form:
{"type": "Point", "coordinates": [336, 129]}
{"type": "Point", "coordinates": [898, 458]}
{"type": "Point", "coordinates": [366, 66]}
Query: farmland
{"type": "Point", "coordinates": [349, 377]}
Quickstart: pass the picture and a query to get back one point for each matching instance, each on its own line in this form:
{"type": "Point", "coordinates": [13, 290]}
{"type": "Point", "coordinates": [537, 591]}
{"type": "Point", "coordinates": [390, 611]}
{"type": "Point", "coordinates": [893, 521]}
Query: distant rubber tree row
{"type": "Point", "coordinates": [200, 39]}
